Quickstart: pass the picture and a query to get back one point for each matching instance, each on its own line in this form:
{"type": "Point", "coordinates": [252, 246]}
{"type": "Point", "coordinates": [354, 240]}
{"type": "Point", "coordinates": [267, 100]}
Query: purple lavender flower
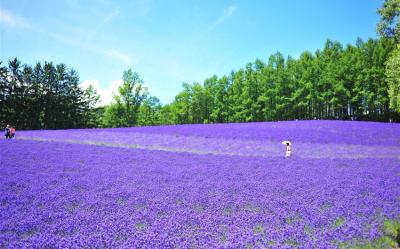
{"type": "Point", "coordinates": [200, 186]}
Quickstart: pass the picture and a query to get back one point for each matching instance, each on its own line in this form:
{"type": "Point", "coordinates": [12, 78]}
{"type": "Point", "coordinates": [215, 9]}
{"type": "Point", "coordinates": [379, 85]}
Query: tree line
{"type": "Point", "coordinates": [332, 83]}
{"type": "Point", "coordinates": [45, 96]}
{"type": "Point", "coordinates": [356, 82]}
{"type": "Point", "coordinates": [389, 27]}
{"type": "Point", "coordinates": [335, 82]}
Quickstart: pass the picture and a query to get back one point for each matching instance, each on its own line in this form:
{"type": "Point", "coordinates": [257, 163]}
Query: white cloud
{"type": "Point", "coordinates": [106, 93]}
{"type": "Point", "coordinates": [12, 20]}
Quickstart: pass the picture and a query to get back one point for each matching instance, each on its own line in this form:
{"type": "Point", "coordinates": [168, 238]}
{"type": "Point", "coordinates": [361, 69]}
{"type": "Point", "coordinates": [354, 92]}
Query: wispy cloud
{"type": "Point", "coordinates": [12, 20]}
{"type": "Point", "coordinates": [122, 57]}
{"type": "Point", "coordinates": [107, 18]}
{"type": "Point", "coordinates": [15, 21]}
{"type": "Point", "coordinates": [141, 8]}
{"type": "Point", "coordinates": [226, 14]}
{"type": "Point", "coordinates": [125, 58]}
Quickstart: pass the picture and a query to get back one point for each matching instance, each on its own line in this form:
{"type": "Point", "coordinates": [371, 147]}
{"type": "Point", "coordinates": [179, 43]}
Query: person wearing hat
{"type": "Point", "coordinates": [288, 148]}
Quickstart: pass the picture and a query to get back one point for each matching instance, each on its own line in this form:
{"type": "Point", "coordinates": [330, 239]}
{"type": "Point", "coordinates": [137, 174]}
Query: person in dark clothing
{"type": "Point", "coordinates": [7, 132]}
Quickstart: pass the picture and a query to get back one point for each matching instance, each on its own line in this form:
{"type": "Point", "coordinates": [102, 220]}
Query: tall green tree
{"type": "Point", "coordinates": [4, 93]}
{"type": "Point", "coordinates": [332, 83]}
{"type": "Point", "coordinates": [393, 77]}
{"type": "Point", "coordinates": [150, 111]}
{"type": "Point", "coordinates": [168, 115]}
{"type": "Point", "coordinates": [115, 114]}
{"type": "Point", "coordinates": [132, 93]}
{"type": "Point", "coordinates": [389, 27]}
{"type": "Point", "coordinates": [47, 96]}
{"type": "Point", "coordinates": [124, 110]}
{"type": "Point", "coordinates": [182, 105]}
{"type": "Point", "coordinates": [92, 113]}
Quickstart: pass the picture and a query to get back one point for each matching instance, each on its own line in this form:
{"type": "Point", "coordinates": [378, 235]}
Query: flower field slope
{"type": "Point", "coordinates": [313, 139]}
{"type": "Point", "coordinates": [200, 186]}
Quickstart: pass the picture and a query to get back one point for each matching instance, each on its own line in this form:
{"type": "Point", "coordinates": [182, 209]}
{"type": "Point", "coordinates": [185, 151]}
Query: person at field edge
{"type": "Point", "coordinates": [12, 132]}
{"type": "Point", "coordinates": [288, 149]}
{"type": "Point", "coordinates": [7, 132]}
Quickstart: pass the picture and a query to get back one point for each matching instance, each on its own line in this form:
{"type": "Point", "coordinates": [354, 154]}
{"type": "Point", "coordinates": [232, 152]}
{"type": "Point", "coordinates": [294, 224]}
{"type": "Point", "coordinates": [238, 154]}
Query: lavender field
{"type": "Point", "coordinates": [201, 186]}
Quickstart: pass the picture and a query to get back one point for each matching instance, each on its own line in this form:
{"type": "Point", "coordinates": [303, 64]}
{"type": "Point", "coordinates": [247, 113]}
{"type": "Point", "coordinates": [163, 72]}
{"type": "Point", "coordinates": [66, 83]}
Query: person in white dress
{"type": "Point", "coordinates": [288, 148]}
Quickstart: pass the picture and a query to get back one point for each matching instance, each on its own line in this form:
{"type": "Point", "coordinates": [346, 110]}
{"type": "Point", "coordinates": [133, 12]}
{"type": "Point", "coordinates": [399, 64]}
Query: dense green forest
{"type": "Point", "coordinates": [331, 83]}
{"type": "Point", "coordinates": [44, 96]}
{"type": "Point", "coordinates": [358, 81]}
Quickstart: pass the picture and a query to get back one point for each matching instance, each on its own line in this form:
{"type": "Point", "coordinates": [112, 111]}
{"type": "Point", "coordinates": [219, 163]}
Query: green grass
{"type": "Point", "coordinates": [140, 226]}
{"type": "Point", "coordinates": [390, 238]}
{"type": "Point", "coordinates": [259, 229]}
{"type": "Point", "coordinates": [338, 222]}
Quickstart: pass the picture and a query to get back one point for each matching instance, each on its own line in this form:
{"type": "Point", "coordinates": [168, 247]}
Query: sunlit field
{"type": "Point", "coordinates": [201, 186]}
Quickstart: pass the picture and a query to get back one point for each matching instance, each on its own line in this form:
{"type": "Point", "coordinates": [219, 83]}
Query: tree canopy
{"type": "Point", "coordinates": [335, 82]}
{"type": "Point", "coordinates": [124, 110]}
{"type": "Point", "coordinates": [45, 96]}
{"type": "Point", "coordinates": [389, 27]}
{"type": "Point", "coordinates": [358, 82]}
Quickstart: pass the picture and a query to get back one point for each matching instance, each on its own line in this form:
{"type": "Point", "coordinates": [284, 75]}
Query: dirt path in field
{"type": "Point", "coordinates": [230, 147]}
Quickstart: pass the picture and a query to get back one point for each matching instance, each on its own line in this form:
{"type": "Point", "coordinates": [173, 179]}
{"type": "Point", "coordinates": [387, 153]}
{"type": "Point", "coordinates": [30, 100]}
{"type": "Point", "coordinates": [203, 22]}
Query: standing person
{"type": "Point", "coordinates": [288, 148]}
{"type": "Point", "coordinates": [12, 132]}
{"type": "Point", "coordinates": [7, 131]}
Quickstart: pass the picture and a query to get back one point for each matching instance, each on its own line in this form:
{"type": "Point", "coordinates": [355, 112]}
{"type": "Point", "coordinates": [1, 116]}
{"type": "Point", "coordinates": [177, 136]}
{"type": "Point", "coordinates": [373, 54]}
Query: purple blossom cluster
{"type": "Point", "coordinates": [102, 193]}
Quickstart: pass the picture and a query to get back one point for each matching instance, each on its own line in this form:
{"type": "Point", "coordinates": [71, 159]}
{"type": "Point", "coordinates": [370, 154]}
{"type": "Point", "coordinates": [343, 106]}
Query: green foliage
{"type": "Point", "coordinates": [114, 114]}
{"type": "Point", "coordinates": [389, 239]}
{"type": "Point", "coordinates": [131, 93]}
{"type": "Point", "coordinates": [92, 114]}
{"type": "Point", "coordinates": [140, 226]}
{"type": "Point", "coordinates": [338, 222]}
{"type": "Point", "coordinates": [389, 25]}
{"type": "Point", "coordinates": [333, 83]}
{"type": "Point", "coordinates": [392, 229]}
{"type": "Point", "coordinates": [150, 112]}
{"type": "Point", "coordinates": [259, 229]}
{"type": "Point", "coordinates": [360, 82]}
{"type": "Point", "coordinates": [168, 115]}
{"type": "Point", "coordinates": [393, 78]}
{"type": "Point", "coordinates": [45, 96]}
{"type": "Point", "coordinates": [124, 111]}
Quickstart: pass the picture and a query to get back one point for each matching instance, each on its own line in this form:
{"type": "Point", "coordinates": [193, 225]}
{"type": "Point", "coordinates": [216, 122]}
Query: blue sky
{"type": "Point", "coordinates": [173, 41]}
